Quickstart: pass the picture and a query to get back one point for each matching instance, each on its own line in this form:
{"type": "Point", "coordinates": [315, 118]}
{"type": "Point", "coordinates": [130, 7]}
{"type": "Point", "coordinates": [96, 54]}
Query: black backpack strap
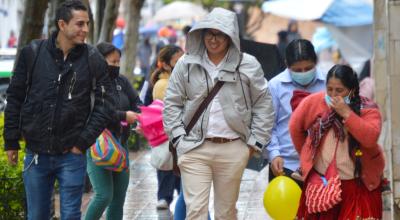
{"type": "Point", "coordinates": [34, 50]}
{"type": "Point", "coordinates": [92, 67]}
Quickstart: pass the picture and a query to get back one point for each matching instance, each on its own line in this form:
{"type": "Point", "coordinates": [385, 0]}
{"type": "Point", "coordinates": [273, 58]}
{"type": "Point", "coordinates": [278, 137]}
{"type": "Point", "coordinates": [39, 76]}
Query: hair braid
{"type": "Point", "coordinates": [350, 80]}
{"type": "Point", "coordinates": [355, 105]}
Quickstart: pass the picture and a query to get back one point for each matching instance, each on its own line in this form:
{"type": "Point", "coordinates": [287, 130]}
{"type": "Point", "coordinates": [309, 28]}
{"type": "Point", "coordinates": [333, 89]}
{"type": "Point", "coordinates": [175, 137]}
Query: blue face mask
{"type": "Point", "coordinates": [347, 99]}
{"type": "Point", "coordinates": [328, 100]}
{"type": "Point", "coordinates": [303, 78]}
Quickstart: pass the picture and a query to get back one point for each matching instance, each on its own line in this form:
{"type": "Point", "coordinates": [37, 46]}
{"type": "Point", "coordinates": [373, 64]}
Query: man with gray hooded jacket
{"type": "Point", "coordinates": [237, 122]}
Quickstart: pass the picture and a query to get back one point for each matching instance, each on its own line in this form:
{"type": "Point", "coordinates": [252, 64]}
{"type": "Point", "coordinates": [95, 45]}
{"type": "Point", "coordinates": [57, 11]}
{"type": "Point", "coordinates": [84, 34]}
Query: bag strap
{"type": "Point", "coordinates": [92, 67]}
{"type": "Point", "coordinates": [208, 99]}
{"type": "Point", "coordinates": [196, 117]}
{"type": "Point", "coordinates": [204, 105]}
{"type": "Point", "coordinates": [33, 55]}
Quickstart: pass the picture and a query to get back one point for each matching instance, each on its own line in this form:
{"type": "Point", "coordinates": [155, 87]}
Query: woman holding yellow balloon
{"type": "Point", "coordinates": [336, 133]}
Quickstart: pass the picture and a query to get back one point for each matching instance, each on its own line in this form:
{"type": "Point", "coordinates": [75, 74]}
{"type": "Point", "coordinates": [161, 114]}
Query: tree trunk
{"type": "Point", "coordinates": [51, 15]}
{"type": "Point", "coordinates": [108, 24]}
{"type": "Point", "coordinates": [131, 38]}
{"type": "Point", "coordinates": [100, 6]}
{"type": "Point", "coordinates": [33, 21]}
{"type": "Point", "coordinates": [90, 36]}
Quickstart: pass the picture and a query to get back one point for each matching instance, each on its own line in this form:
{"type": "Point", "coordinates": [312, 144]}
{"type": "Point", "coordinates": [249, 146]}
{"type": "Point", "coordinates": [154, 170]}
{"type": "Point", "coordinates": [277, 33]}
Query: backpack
{"type": "Point", "coordinates": [35, 47]}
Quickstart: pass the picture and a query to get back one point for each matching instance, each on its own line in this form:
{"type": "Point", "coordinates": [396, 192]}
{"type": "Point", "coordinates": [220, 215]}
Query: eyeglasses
{"type": "Point", "coordinates": [218, 36]}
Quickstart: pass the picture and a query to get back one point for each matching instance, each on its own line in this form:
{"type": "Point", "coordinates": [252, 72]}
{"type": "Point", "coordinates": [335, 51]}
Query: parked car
{"type": "Point", "coordinates": [7, 58]}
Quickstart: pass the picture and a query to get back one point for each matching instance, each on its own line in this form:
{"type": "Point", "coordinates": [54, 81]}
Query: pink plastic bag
{"type": "Point", "coordinates": [151, 123]}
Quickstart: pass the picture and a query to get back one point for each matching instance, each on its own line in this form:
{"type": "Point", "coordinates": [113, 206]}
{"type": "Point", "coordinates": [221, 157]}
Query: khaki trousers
{"type": "Point", "coordinates": [220, 164]}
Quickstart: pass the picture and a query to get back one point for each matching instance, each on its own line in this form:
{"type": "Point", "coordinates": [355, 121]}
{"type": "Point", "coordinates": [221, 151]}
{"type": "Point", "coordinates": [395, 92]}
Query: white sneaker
{"type": "Point", "coordinates": [162, 204]}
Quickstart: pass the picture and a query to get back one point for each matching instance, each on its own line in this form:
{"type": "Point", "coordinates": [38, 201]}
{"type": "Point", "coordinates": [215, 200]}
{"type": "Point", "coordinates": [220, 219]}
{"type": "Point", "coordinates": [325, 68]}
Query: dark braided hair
{"type": "Point", "coordinates": [349, 79]}
{"type": "Point", "coordinates": [300, 50]}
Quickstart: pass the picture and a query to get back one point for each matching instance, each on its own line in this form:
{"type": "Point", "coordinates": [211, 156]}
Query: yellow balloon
{"type": "Point", "coordinates": [281, 198]}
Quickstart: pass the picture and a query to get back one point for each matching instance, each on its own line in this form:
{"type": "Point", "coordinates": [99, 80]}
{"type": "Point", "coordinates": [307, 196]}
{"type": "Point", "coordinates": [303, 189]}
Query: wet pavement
{"type": "Point", "coordinates": [141, 199]}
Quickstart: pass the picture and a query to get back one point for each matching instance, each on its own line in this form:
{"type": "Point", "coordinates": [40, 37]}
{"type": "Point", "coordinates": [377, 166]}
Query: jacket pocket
{"type": "Point", "coordinates": [31, 124]}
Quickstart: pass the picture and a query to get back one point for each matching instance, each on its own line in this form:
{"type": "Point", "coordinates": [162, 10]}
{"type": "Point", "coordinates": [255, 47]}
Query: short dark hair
{"type": "Point", "coordinates": [106, 48]}
{"type": "Point", "coordinates": [64, 12]}
{"type": "Point", "coordinates": [300, 50]}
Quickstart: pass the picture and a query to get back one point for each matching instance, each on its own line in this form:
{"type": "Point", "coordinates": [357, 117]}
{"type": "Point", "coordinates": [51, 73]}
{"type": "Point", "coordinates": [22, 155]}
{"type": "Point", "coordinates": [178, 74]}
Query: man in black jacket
{"type": "Point", "coordinates": [49, 104]}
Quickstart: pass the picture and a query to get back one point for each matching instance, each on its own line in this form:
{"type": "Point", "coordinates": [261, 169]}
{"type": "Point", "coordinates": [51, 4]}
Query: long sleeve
{"type": "Point", "coordinates": [365, 128]}
{"type": "Point", "coordinates": [297, 127]}
{"type": "Point", "coordinates": [132, 94]}
{"type": "Point", "coordinates": [273, 147]}
{"type": "Point", "coordinates": [262, 108]}
{"type": "Point", "coordinates": [16, 93]}
{"type": "Point", "coordinates": [103, 107]}
{"type": "Point", "coordinates": [174, 102]}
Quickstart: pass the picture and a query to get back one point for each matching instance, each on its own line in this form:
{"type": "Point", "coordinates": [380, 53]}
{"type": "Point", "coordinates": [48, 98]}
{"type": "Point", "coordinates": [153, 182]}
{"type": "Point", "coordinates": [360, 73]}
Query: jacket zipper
{"type": "Point", "coordinates": [50, 128]}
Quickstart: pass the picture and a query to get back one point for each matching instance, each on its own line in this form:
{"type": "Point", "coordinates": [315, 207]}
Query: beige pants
{"type": "Point", "coordinates": [220, 164]}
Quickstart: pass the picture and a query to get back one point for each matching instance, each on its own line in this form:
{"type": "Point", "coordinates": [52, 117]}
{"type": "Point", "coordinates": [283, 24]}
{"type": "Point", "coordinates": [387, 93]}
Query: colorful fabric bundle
{"type": "Point", "coordinates": [108, 153]}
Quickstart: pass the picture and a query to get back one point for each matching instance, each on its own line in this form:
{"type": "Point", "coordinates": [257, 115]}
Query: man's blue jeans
{"type": "Point", "coordinates": [40, 173]}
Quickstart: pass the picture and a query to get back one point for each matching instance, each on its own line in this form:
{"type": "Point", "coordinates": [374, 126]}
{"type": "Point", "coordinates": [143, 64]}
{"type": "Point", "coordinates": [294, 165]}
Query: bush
{"type": "Point", "coordinates": [12, 194]}
{"type": "Point", "coordinates": [136, 142]}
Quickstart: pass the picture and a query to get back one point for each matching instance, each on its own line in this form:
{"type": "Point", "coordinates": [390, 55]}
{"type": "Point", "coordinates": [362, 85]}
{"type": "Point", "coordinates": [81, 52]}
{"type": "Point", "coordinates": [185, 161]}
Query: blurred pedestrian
{"type": "Point", "coordinates": [12, 40]}
{"type": "Point", "coordinates": [367, 83]}
{"type": "Point", "coordinates": [237, 122]}
{"type": "Point", "coordinates": [339, 155]}
{"type": "Point", "coordinates": [293, 31]}
{"type": "Point", "coordinates": [185, 32]}
{"type": "Point", "coordinates": [110, 186]}
{"type": "Point", "coordinates": [51, 109]}
{"type": "Point", "coordinates": [118, 34]}
{"type": "Point", "coordinates": [282, 42]}
{"type": "Point", "coordinates": [144, 54]}
{"type": "Point", "coordinates": [300, 76]}
{"type": "Point", "coordinates": [166, 61]}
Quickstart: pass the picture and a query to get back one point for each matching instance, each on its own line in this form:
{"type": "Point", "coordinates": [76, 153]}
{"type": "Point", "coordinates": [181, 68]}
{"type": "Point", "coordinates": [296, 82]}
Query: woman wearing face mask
{"type": "Point", "coordinates": [166, 60]}
{"type": "Point", "coordinates": [300, 76]}
{"type": "Point", "coordinates": [336, 134]}
{"type": "Point", "coordinates": [110, 187]}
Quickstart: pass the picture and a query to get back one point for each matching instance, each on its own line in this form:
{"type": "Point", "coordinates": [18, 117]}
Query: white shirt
{"type": "Point", "coordinates": [217, 126]}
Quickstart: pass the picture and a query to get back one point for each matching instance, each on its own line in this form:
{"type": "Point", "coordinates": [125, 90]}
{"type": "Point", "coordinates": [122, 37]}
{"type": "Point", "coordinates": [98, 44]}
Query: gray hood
{"type": "Point", "coordinates": [222, 20]}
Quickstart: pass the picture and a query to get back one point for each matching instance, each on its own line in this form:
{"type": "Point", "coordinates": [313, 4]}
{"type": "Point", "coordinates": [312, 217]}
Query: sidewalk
{"type": "Point", "coordinates": [141, 198]}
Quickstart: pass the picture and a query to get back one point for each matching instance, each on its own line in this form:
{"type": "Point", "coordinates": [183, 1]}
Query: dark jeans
{"type": "Point", "coordinates": [40, 173]}
{"type": "Point", "coordinates": [167, 183]}
{"type": "Point", "coordinates": [288, 173]}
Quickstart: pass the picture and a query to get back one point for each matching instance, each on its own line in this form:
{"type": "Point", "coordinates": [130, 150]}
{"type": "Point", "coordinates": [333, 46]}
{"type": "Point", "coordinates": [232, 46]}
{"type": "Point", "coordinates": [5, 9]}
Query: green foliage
{"type": "Point", "coordinates": [137, 142]}
{"type": "Point", "coordinates": [12, 195]}
{"type": "Point", "coordinates": [206, 3]}
{"type": "Point", "coordinates": [138, 82]}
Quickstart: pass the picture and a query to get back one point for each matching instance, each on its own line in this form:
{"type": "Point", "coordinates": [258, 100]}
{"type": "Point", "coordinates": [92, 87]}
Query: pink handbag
{"type": "Point", "coordinates": [323, 191]}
